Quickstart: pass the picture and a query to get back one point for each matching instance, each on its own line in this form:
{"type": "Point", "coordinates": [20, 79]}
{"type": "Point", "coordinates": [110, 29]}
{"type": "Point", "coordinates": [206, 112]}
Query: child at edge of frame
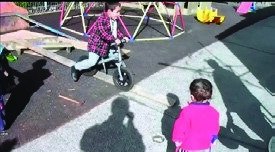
{"type": "Point", "coordinates": [3, 75]}
{"type": "Point", "coordinates": [102, 35]}
{"type": "Point", "coordinates": [201, 135]}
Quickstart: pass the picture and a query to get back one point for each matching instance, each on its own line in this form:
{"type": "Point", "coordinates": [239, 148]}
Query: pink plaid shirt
{"type": "Point", "coordinates": [101, 36]}
{"type": "Point", "coordinates": [196, 126]}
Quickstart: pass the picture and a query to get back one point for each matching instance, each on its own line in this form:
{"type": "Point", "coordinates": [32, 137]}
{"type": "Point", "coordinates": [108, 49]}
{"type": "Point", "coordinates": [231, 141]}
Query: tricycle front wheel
{"type": "Point", "coordinates": [127, 83]}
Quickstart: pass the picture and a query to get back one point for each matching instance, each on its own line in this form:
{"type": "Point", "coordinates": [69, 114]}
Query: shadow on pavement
{"type": "Point", "coordinates": [29, 82]}
{"type": "Point", "coordinates": [253, 44]}
{"type": "Point", "coordinates": [241, 103]}
{"type": "Point", "coordinates": [250, 19]}
{"type": "Point", "coordinates": [115, 134]}
{"type": "Point", "coordinates": [8, 145]}
{"type": "Point", "coordinates": [169, 117]}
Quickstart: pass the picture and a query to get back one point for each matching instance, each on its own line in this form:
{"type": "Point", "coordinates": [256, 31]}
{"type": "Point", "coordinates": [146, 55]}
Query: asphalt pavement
{"type": "Point", "coordinates": [236, 56]}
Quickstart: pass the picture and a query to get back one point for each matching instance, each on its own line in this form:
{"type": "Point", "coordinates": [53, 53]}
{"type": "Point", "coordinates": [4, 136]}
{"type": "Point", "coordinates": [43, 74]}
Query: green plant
{"type": "Point", "coordinates": [23, 4]}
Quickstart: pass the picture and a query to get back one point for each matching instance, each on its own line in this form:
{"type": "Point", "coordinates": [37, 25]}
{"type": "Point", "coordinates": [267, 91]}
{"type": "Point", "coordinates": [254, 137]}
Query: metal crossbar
{"type": "Point", "coordinates": [45, 27]}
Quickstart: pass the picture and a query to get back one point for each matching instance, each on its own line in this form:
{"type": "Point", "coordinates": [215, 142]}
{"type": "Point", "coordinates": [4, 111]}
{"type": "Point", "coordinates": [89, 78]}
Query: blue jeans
{"type": "Point", "coordinates": [86, 64]}
{"type": "Point", "coordinates": [91, 61]}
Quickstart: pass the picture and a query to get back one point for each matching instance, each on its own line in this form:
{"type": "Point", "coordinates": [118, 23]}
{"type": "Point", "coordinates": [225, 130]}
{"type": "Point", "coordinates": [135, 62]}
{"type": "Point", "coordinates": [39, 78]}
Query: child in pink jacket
{"type": "Point", "coordinates": [197, 126]}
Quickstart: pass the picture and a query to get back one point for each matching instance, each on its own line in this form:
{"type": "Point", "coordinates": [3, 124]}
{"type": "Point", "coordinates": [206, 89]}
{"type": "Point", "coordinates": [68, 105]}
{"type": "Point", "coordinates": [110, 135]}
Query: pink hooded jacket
{"type": "Point", "coordinates": [196, 126]}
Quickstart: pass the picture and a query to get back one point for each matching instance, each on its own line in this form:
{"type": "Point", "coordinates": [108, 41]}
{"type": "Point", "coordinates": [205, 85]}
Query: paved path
{"type": "Point", "coordinates": [210, 62]}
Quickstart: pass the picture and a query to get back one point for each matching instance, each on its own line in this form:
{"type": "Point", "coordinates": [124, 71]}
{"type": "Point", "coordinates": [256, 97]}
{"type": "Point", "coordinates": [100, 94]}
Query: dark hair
{"type": "Point", "coordinates": [111, 5]}
{"type": "Point", "coordinates": [201, 89]}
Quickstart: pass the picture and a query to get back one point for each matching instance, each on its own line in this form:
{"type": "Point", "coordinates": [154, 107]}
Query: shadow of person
{"type": "Point", "coordinates": [8, 145]}
{"type": "Point", "coordinates": [116, 134]}
{"type": "Point", "coordinates": [250, 19]}
{"type": "Point", "coordinates": [239, 100]}
{"type": "Point", "coordinates": [236, 133]}
{"type": "Point", "coordinates": [169, 117]}
{"type": "Point", "coordinates": [29, 82]}
{"type": "Point", "coordinates": [7, 82]}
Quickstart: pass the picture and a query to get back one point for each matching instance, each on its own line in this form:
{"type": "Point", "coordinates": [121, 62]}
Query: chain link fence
{"type": "Point", "coordinates": [259, 5]}
{"type": "Point", "coordinates": [36, 8]}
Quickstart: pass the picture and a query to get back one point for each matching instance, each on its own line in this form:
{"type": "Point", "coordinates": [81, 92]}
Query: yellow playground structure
{"type": "Point", "coordinates": [209, 16]}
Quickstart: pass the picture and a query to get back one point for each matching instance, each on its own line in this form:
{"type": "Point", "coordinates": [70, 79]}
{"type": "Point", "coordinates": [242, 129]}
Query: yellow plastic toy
{"type": "Point", "coordinates": [209, 16]}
